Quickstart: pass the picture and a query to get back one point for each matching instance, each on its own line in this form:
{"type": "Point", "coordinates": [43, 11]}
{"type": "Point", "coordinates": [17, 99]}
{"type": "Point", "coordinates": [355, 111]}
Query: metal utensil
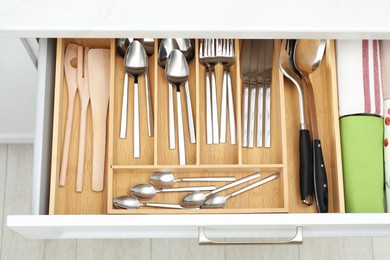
{"type": "Point", "coordinates": [186, 46]}
{"type": "Point", "coordinates": [167, 179]}
{"type": "Point", "coordinates": [226, 56]}
{"type": "Point", "coordinates": [267, 83]}
{"type": "Point", "coordinates": [136, 64]}
{"type": "Point", "coordinates": [165, 48]}
{"type": "Point", "coordinates": [307, 57]}
{"type": "Point", "coordinates": [260, 92]}
{"type": "Point", "coordinates": [211, 59]}
{"type": "Point", "coordinates": [130, 202]}
{"type": "Point", "coordinates": [218, 201]}
{"type": "Point", "coordinates": [286, 65]}
{"type": "Point", "coordinates": [195, 199]}
{"type": "Point", "coordinates": [121, 46]}
{"type": "Point", "coordinates": [147, 191]}
{"type": "Point", "coordinates": [176, 71]}
{"type": "Point", "coordinates": [245, 62]}
{"type": "Point", "coordinates": [209, 123]}
{"type": "Point", "coordinates": [148, 44]}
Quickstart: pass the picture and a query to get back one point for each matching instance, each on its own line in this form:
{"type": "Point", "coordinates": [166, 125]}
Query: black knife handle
{"type": "Point", "coordinates": [320, 179]}
{"type": "Point", "coordinates": [306, 167]}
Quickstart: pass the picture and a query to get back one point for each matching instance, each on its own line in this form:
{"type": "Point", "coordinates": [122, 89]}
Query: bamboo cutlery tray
{"type": "Point", "coordinates": [122, 171]}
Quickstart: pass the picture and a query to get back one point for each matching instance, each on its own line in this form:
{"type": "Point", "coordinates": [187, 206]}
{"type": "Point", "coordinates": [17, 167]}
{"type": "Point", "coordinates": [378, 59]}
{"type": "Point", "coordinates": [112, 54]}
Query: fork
{"type": "Point", "coordinates": [211, 59]}
{"type": "Point", "coordinates": [225, 54]}
{"type": "Point", "coordinates": [209, 126]}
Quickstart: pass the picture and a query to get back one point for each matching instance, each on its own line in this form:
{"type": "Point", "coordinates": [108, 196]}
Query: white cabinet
{"type": "Point", "coordinates": [244, 19]}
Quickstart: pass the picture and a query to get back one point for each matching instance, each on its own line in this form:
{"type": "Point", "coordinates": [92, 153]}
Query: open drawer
{"type": "Point", "coordinates": [217, 222]}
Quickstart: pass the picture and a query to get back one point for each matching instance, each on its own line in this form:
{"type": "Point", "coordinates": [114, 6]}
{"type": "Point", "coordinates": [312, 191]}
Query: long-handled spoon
{"type": "Point", "coordinates": [136, 65]}
{"type": "Point", "coordinates": [308, 56]}
{"type": "Point", "coordinates": [195, 199]}
{"type": "Point", "coordinates": [147, 191]}
{"type": "Point", "coordinates": [187, 48]}
{"type": "Point", "coordinates": [165, 48]}
{"type": "Point", "coordinates": [286, 65]}
{"type": "Point", "coordinates": [167, 179]}
{"type": "Point", "coordinates": [130, 202]}
{"type": "Point", "coordinates": [218, 201]}
{"type": "Point", "coordinates": [71, 53]}
{"type": "Point", "coordinates": [176, 71]}
{"type": "Point", "coordinates": [83, 89]}
{"type": "Point", "coordinates": [148, 44]}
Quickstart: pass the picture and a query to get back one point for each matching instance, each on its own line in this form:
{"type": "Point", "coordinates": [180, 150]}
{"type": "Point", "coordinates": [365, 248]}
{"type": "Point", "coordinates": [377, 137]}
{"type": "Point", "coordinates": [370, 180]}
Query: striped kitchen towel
{"type": "Point", "coordinates": [359, 77]}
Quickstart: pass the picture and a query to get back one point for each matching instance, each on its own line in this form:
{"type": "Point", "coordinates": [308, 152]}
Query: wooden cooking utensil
{"type": "Point", "coordinates": [83, 89]}
{"type": "Point", "coordinates": [71, 79]}
{"type": "Point", "coordinates": [99, 81]}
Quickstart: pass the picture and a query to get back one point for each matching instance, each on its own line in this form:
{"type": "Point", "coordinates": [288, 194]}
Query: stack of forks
{"type": "Point", "coordinates": [212, 52]}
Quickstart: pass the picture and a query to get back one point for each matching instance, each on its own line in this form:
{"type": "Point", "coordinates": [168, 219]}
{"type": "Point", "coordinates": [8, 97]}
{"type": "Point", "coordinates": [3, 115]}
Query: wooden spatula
{"type": "Point", "coordinates": [71, 79]}
{"type": "Point", "coordinates": [99, 81]}
{"type": "Point", "coordinates": [83, 89]}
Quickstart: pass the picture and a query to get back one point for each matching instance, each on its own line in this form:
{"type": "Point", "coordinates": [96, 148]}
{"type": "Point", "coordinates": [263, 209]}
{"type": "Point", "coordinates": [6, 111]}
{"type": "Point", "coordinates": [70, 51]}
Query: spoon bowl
{"type": "Point", "coordinates": [176, 69]}
{"type": "Point", "coordinates": [121, 46]}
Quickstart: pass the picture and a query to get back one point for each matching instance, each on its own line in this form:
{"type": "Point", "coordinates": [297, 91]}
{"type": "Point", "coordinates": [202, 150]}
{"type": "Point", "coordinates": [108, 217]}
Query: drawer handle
{"type": "Point", "coordinates": [204, 240]}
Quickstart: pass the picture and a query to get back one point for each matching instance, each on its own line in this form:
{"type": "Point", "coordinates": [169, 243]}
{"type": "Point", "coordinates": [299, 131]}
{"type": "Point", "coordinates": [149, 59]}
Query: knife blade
{"type": "Point", "coordinates": [252, 90]}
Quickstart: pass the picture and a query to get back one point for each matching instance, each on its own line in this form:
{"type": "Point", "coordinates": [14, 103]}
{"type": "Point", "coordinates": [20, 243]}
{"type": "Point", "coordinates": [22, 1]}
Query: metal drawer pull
{"type": "Point", "coordinates": [204, 240]}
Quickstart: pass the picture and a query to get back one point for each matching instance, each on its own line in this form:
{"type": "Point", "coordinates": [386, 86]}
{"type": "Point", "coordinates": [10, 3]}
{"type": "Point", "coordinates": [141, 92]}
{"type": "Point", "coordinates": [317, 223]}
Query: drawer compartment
{"type": "Point", "coordinates": [122, 171]}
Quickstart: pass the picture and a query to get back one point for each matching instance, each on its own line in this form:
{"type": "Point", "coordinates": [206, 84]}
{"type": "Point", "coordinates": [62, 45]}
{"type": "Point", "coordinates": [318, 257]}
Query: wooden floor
{"type": "Point", "coordinates": [15, 198]}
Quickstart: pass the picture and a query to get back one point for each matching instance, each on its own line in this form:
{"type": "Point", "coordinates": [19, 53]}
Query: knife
{"type": "Point", "coordinates": [245, 62]}
{"type": "Point", "coordinates": [252, 90]}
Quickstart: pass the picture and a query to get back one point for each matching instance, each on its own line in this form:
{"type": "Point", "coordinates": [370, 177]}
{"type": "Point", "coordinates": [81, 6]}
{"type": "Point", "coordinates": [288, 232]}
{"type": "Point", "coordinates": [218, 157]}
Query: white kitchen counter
{"type": "Point", "coordinates": [204, 18]}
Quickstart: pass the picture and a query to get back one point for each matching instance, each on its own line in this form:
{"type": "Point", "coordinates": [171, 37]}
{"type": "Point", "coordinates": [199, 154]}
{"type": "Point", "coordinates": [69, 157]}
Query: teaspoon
{"type": "Point", "coordinates": [195, 199]}
{"type": "Point", "coordinates": [218, 201]}
{"type": "Point", "coordinates": [167, 179]}
{"type": "Point", "coordinates": [147, 191]}
{"type": "Point", "coordinates": [130, 202]}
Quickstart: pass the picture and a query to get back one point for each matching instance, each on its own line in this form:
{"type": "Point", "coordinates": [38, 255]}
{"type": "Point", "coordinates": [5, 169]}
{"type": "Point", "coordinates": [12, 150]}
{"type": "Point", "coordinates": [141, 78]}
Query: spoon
{"type": "Point", "coordinates": [167, 179]}
{"type": "Point", "coordinates": [307, 57]}
{"type": "Point", "coordinates": [176, 71]}
{"type": "Point", "coordinates": [286, 65]}
{"type": "Point", "coordinates": [136, 64]}
{"type": "Point", "coordinates": [195, 199]}
{"type": "Point", "coordinates": [147, 191]}
{"type": "Point", "coordinates": [218, 201]}
{"type": "Point", "coordinates": [121, 46]}
{"type": "Point", "coordinates": [186, 46]}
{"type": "Point", "coordinates": [165, 48]}
{"type": "Point", "coordinates": [130, 202]}
{"type": "Point", "coordinates": [148, 44]}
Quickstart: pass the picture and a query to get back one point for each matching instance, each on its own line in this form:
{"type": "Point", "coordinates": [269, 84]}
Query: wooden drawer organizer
{"type": "Point", "coordinates": [123, 171]}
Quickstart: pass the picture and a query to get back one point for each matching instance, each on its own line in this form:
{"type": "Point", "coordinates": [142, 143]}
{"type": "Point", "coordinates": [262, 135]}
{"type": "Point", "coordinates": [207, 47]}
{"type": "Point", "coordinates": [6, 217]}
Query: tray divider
{"type": "Point", "coordinates": [155, 102]}
{"type": "Point", "coordinates": [237, 48]}
{"type": "Point", "coordinates": [197, 103]}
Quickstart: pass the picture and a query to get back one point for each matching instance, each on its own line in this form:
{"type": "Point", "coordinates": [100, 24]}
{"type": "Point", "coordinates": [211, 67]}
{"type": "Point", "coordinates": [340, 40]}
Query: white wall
{"type": "Point", "coordinates": [18, 84]}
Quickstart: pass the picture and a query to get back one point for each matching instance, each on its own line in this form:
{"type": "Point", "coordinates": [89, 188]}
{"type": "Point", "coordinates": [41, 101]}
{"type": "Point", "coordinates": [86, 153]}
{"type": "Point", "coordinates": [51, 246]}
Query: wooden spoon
{"type": "Point", "coordinates": [99, 83]}
{"type": "Point", "coordinates": [71, 79]}
{"type": "Point", "coordinates": [83, 89]}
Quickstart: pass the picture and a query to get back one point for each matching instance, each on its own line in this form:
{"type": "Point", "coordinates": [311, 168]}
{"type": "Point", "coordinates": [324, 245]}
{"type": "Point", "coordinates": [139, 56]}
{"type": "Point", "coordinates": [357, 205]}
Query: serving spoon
{"type": "Point", "coordinates": [147, 191]}
{"type": "Point", "coordinates": [195, 199]}
{"type": "Point", "coordinates": [308, 55]}
{"type": "Point", "coordinates": [167, 179]}
{"type": "Point", "coordinates": [218, 201]}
